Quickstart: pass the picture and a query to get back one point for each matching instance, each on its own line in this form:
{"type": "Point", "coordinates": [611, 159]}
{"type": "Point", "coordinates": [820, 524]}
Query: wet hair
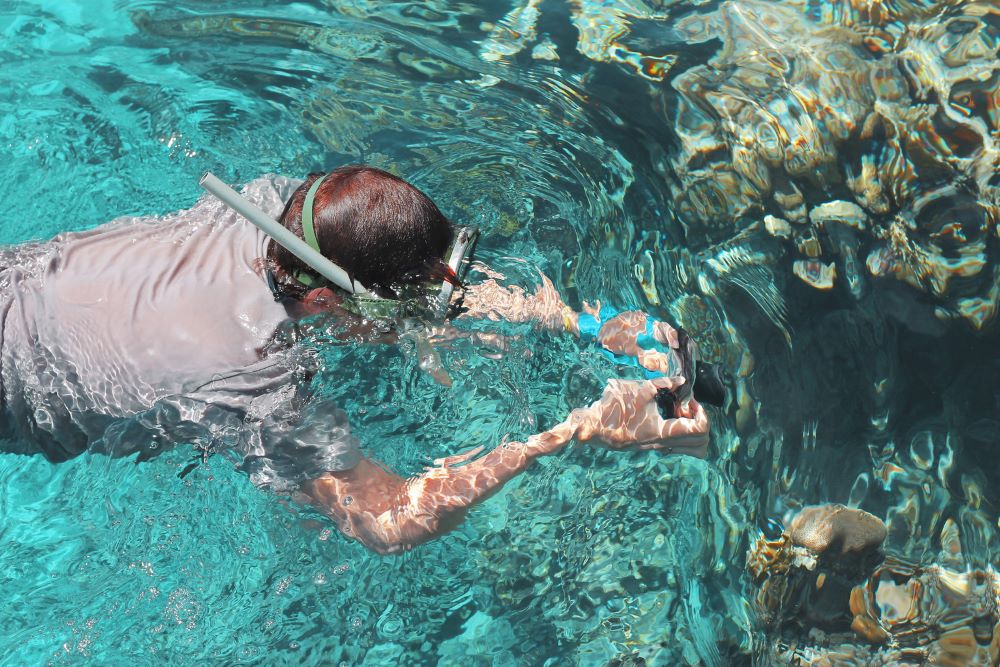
{"type": "Point", "coordinates": [377, 227]}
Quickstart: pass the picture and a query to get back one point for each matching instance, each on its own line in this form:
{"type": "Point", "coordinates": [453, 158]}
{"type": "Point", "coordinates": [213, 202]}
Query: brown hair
{"type": "Point", "coordinates": [377, 227]}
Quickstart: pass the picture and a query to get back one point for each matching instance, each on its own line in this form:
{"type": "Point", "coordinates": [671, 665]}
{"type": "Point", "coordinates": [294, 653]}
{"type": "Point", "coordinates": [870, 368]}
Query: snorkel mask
{"type": "Point", "coordinates": [465, 241]}
{"type": "Point", "coordinates": [308, 250]}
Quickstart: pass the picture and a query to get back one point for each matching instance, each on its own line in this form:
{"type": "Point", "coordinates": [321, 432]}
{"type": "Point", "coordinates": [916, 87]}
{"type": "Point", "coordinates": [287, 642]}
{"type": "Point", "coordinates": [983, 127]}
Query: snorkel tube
{"type": "Point", "coordinates": [282, 235]}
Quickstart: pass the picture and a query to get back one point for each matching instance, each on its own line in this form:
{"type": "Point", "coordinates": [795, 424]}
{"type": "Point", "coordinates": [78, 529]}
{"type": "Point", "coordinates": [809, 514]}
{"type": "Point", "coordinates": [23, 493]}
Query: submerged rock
{"type": "Point", "coordinates": [778, 227]}
{"type": "Point", "coordinates": [815, 274]}
{"type": "Point", "coordinates": [836, 530]}
{"type": "Point", "coordinates": [829, 598]}
{"type": "Point", "coordinates": [844, 212]}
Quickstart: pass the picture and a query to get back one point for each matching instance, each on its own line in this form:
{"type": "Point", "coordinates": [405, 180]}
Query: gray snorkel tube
{"type": "Point", "coordinates": [282, 235]}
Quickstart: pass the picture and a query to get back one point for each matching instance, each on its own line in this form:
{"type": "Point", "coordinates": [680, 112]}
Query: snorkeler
{"type": "Point", "coordinates": [145, 333]}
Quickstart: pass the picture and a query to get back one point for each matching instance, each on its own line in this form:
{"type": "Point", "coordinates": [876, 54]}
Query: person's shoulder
{"type": "Point", "coordinates": [267, 193]}
{"type": "Point", "coordinates": [284, 185]}
{"type": "Point", "coordinates": [270, 192]}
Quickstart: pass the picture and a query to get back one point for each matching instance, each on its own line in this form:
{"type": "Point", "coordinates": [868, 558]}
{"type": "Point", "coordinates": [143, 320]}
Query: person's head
{"type": "Point", "coordinates": [375, 226]}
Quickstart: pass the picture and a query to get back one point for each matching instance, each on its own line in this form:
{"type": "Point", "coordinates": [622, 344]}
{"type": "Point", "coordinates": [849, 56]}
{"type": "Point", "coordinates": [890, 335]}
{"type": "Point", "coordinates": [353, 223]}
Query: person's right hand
{"type": "Point", "coordinates": [627, 417]}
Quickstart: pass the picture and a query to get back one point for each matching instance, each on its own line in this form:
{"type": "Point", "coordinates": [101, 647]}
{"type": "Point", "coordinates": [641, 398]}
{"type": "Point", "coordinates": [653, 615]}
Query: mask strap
{"type": "Point", "coordinates": [308, 231]}
{"type": "Point", "coordinates": [282, 235]}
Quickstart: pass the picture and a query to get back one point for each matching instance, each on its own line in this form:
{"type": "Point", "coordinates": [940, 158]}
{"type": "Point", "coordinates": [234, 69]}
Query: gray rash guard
{"type": "Point", "coordinates": [146, 332]}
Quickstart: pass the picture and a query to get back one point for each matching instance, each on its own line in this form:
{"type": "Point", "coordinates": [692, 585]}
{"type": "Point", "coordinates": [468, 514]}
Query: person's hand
{"type": "Point", "coordinates": [548, 308]}
{"type": "Point", "coordinates": [428, 359]}
{"type": "Point", "coordinates": [620, 335]}
{"type": "Point", "coordinates": [491, 300]}
{"type": "Point", "coordinates": [627, 417]}
{"type": "Point", "coordinates": [444, 335]}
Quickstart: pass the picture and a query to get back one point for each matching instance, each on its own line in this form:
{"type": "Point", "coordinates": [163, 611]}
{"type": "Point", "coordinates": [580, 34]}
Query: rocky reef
{"type": "Point", "coordinates": [862, 134]}
{"type": "Point", "coordinates": [828, 595]}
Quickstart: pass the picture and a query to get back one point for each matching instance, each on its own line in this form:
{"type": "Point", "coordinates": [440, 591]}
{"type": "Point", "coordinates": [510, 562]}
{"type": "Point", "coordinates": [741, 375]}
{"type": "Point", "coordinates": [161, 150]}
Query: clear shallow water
{"type": "Point", "coordinates": [581, 168]}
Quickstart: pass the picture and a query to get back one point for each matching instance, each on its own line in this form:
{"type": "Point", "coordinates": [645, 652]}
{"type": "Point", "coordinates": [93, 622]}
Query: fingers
{"type": "Point", "coordinates": [692, 445]}
{"type": "Point", "coordinates": [656, 384]}
{"type": "Point", "coordinates": [439, 375]}
{"type": "Point", "coordinates": [627, 417]}
{"type": "Point", "coordinates": [666, 334]}
{"type": "Point", "coordinates": [679, 435]}
{"type": "Point", "coordinates": [548, 305]}
{"type": "Point", "coordinates": [594, 311]}
{"type": "Point", "coordinates": [693, 427]}
{"type": "Point", "coordinates": [637, 393]}
{"type": "Point", "coordinates": [443, 335]}
{"type": "Point", "coordinates": [582, 423]}
{"type": "Point", "coordinates": [546, 283]}
{"type": "Point", "coordinates": [623, 328]}
{"type": "Point", "coordinates": [654, 361]}
{"type": "Point", "coordinates": [430, 362]}
{"type": "Point", "coordinates": [634, 320]}
{"type": "Point", "coordinates": [448, 461]}
{"type": "Point", "coordinates": [499, 342]}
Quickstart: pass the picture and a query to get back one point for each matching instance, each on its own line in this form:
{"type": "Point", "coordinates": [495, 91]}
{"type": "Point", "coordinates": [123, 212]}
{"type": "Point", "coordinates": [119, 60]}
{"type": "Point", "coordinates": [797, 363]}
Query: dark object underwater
{"type": "Point", "coordinates": [666, 400]}
{"type": "Point", "coordinates": [710, 384]}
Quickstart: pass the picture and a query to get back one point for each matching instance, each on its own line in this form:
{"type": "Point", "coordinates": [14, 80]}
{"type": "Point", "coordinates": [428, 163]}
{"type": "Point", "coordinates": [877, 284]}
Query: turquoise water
{"type": "Point", "coordinates": [591, 168]}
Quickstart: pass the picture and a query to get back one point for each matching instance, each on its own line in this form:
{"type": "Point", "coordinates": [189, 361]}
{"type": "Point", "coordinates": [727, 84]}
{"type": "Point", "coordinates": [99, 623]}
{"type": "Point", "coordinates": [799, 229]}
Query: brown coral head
{"type": "Point", "coordinates": [836, 530]}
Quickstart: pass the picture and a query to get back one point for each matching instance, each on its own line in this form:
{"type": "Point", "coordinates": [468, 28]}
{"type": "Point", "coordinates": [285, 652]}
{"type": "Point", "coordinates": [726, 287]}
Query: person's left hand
{"type": "Point", "coordinates": [444, 335]}
{"type": "Point", "coordinates": [489, 299]}
{"type": "Point", "coordinates": [627, 417]}
{"type": "Point", "coordinates": [620, 335]}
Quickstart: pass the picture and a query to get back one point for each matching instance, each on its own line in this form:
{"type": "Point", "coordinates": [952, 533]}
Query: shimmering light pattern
{"type": "Point", "coordinates": [808, 187]}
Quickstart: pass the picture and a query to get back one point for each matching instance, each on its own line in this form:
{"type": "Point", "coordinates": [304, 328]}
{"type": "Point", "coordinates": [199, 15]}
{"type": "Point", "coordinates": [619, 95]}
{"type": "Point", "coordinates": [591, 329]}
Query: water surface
{"type": "Point", "coordinates": [637, 167]}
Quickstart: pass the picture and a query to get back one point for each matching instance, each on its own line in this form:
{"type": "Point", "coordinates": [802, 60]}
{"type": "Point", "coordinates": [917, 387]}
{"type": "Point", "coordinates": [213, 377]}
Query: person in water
{"type": "Point", "coordinates": [145, 333]}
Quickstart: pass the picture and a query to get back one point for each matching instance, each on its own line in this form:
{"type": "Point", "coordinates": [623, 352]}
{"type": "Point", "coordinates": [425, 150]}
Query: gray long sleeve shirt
{"type": "Point", "coordinates": [146, 332]}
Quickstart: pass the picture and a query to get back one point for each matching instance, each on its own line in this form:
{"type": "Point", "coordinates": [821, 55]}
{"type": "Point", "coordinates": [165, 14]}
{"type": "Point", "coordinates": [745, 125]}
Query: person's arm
{"type": "Point", "coordinates": [620, 334]}
{"type": "Point", "coordinates": [389, 514]}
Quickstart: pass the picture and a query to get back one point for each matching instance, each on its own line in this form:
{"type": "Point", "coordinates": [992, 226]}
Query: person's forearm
{"type": "Point", "coordinates": [545, 308]}
{"type": "Point", "coordinates": [389, 514]}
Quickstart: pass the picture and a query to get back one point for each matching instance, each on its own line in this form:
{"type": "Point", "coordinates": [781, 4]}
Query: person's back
{"type": "Point", "coordinates": [106, 322]}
